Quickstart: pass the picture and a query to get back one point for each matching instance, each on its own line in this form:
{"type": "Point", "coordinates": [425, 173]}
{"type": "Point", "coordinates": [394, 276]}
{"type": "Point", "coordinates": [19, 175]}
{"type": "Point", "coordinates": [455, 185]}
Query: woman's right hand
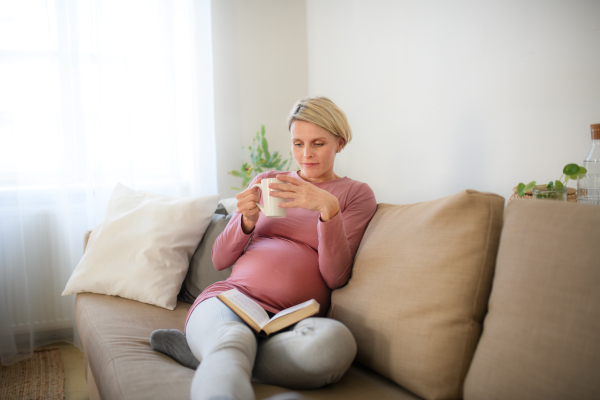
{"type": "Point", "coordinates": [246, 205]}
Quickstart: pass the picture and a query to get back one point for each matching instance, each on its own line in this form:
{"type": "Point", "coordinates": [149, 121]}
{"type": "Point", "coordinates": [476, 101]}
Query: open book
{"type": "Point", "coordinates": [258, 319]}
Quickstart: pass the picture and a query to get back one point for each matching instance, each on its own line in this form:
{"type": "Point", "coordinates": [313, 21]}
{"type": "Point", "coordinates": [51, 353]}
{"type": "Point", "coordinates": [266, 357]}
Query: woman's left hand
{"type": "Point", "coordinates": [302, 194]}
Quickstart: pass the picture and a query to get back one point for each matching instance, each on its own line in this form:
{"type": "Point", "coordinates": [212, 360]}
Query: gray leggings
{"type": "Point", "coordinates": [314, 353]}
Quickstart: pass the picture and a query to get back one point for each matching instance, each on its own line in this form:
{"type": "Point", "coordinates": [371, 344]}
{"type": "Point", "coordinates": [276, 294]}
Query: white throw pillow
{"type": "Point", "coordinates": [142, 249]}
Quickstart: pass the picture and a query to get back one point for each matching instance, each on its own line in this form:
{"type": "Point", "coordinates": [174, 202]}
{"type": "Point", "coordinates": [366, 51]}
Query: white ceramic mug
{"type": "Point", "coordinates": [270, 208]}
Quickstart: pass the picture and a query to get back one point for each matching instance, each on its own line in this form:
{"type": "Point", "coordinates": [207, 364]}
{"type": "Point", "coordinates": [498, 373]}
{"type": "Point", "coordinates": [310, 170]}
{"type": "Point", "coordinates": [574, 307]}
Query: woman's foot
{"type": "Point", "coordinates": [174, 344]}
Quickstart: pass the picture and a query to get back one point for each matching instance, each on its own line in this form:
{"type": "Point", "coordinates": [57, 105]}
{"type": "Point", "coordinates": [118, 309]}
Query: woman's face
{"type": "Point", "coordinates": [314, 149]}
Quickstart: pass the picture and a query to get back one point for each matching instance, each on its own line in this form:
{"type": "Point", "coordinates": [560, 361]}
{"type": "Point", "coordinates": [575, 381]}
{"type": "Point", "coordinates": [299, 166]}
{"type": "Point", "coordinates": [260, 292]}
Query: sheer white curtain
{"type": "Point", "coordinates": [92, 92]}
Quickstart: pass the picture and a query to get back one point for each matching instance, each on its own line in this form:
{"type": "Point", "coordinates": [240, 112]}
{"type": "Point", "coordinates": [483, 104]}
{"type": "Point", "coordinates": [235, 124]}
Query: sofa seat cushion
{"type": "Point", "coordinates": [541, 335]}
{"type": "Point", "coordinates": [115, 334]}
{"type": "Point", "coordinates": [419, 290]}
{"type": "Point", "coordinates": [359, 383]}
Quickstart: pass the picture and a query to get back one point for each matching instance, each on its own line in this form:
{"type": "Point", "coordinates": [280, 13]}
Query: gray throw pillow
{"type": "Point", "coordinates": [202, 272]}
{"type": "Point", "coordinates": [221, 209]}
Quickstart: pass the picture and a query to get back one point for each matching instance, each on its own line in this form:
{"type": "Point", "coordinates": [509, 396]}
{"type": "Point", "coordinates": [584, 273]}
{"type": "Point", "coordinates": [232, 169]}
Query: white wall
{"type": "Point", "coordinates": [260, 68]}
{"type": "Point", "coordinates": [448, 95]}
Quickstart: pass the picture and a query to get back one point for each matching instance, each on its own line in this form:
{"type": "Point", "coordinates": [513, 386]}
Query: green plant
{"type": "Point", "coordinates": [260, 160]}
{"type": "Point", "coordinates": [570, 171]}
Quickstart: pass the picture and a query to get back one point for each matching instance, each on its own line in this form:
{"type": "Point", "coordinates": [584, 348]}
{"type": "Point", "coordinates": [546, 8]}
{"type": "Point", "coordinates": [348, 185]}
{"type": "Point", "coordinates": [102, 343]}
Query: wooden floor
{"type": "Point", "coordinates": [72, 359]}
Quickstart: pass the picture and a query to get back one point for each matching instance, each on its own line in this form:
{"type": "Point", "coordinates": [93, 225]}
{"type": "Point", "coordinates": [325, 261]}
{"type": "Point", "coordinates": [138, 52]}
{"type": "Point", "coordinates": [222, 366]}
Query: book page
{"type": "Point", "coordinates": [247, 305]}
{"type": "Point", "coordinates": [290, 310]}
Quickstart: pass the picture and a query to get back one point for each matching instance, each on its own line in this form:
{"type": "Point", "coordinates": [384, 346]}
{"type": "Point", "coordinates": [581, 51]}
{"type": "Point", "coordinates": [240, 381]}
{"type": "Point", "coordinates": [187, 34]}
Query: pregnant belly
{"type": "Point", "coordinates": [281, 273]}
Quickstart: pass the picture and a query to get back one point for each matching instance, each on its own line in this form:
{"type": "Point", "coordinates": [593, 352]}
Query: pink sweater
{"type": "Point", "coordinates": [297, 258]}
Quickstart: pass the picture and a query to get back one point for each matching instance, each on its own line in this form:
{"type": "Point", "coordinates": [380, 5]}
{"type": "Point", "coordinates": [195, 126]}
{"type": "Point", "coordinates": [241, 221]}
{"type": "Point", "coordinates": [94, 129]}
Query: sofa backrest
{"type": "Point", "coordinates": [419, 290]}
{"type": "Point", "coordinates": [541, 336]}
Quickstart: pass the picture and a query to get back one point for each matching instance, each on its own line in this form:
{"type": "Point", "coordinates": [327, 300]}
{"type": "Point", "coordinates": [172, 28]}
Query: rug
{"type": "Point", "coordinates": [40, 377]}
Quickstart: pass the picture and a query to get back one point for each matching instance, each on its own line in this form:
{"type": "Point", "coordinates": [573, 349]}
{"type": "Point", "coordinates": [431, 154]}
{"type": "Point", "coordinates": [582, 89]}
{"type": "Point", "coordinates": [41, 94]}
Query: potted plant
{"type": "Point", "coordinates": [260, 160]}
{"type": "Point", "coordinates": [554, 190]}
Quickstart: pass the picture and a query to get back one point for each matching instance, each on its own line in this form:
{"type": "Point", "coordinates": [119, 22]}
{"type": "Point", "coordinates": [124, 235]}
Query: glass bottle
{"type": "Point", "coordinates": [592, 162]}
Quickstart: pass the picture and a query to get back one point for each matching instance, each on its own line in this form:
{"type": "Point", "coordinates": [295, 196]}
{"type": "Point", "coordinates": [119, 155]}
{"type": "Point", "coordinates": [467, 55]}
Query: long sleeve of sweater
{"type": "Point", "coordinates": [230, 244]}
{"type": "Point", "coordinates": [340, 237]}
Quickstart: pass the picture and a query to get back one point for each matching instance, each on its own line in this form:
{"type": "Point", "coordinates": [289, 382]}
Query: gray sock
{"type": "Point", "coordinates": [174, 344]}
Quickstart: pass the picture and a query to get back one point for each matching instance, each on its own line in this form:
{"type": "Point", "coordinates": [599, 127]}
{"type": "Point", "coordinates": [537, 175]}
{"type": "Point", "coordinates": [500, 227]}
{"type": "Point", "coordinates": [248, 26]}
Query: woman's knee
{"type": "Point", "coordinates": [211, 328]}
{"type": "Point", "coordinates": [331, 343]}
{"type": "Point", "coordinates": [316, 352]}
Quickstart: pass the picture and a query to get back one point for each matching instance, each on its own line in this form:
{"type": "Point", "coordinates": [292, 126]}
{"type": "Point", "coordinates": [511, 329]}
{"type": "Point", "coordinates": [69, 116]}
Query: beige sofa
{"type": "Point", "coordinates": [449, 299]}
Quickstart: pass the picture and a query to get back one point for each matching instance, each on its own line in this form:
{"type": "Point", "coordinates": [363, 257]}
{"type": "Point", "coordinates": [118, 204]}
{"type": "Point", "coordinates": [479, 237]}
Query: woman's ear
{"type": "Point", "coordinates": [341, 143]}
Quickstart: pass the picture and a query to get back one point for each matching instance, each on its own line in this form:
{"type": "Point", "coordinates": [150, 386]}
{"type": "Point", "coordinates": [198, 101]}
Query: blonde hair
{"type": "Point", "coordinates": [324, 113]}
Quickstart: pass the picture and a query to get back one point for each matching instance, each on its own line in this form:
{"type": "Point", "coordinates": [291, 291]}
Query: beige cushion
{"type": "Point", "coordinates": [115, 334]}
{"type": "Point", "coordinates": [541, 337]}
{"type": "Point", "coordinates": [419, 289]}
{"type": "Point", "coordinates": [142, 249]}
{"type": "Point", "coordinates": [358, 383]}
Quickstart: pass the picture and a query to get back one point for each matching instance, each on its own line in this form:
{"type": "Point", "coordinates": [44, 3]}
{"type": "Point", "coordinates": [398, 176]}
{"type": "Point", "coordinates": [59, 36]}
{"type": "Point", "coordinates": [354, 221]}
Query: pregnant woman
{"type": "Point", "coordinates": [281, 262]}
